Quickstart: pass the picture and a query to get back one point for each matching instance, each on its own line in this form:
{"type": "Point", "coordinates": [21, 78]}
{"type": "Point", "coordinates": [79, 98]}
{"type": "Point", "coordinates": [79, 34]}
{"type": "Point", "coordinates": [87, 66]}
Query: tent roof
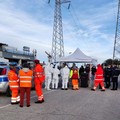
{"type": "Point", "coordinates": [77, 56]}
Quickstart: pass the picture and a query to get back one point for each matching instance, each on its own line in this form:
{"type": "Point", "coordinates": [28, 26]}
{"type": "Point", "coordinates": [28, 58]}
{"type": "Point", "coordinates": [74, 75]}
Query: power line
{"type": "Point", "coordinates": [77, 24]}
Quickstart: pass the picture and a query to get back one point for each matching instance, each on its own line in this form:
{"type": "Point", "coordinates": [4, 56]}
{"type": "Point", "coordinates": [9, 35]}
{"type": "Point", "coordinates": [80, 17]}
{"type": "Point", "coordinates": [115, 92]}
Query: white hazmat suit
{"type": "Point", "coordinates": [55, 79]}
{"type": "Point", "coordinates": [48, 75]}
{"type": "Point", "coordinates": [65, 76]}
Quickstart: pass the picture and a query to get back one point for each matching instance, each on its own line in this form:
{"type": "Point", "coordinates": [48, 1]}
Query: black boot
{"type": "Point", "coordinates": [40, 101]}
{"type": "Point", "coordinates": [112, 89]}
{"type": "Point", "coordinates": [103, 90]}
{"type": "Point", "coordinates": [13, 103]}
{"type": "Point", "coordinates": [28, 105]}
{"type": "Point", "coordinates": [21, 105]}
{"type": "Point", "coordinates": [93, 89]}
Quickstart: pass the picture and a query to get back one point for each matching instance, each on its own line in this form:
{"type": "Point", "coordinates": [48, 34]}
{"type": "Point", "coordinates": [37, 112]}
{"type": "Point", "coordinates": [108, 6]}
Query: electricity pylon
{"type": "Point", "coordinates": [57, 41]}
{"type": "Point", "coordinates": [116, 50]}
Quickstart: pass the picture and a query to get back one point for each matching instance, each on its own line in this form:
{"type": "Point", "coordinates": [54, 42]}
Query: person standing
{"type": "Point", "coordinates": [25, 76]}
{"type": "Point", "coordinates": [92, 74]}
{"type": "Point", "coordinates": [14, 84]}
{"type": "Point", "coordinates": [87, 70]}
{"type": "Point", "coordinates": [55, 79]}
{"type": "Point", "coordinates": [81, 70]}
{"type": "Point", "coordinates": [107, 75]}
{"type": "Point", "coordinates": [48, 75]}
{"type": "Point", "coordinates": [74, 75]}
{"type": "Point", "coordinates": [115, 74]}
{"type": "Point", "coordinates": [65, 76]}
{"type": "Point", "coordinates": [39, 78]}
{"type": "Point", "coordinates": [99, 79]}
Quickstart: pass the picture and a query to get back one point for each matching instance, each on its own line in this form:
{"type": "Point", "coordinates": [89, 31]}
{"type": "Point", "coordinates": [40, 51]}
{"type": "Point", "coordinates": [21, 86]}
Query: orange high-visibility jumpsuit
{"type": "Point", "coordinates": [39, 77]}
{"type": "Point", "coordinates": [25, 85]}
{"type": "Point", "coordinates": [14, 86]}
{"type": "Point", "coordinates": [75, 76]}
{"type": "Point", "coordinates": [99, 79]}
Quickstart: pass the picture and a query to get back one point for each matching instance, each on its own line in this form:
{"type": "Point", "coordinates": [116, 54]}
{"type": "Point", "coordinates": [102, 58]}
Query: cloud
{"type": "Point", "coordinates": [95, 30]}
{"type": "Point", "coordinates": [18, 29]}
{"type": "Point", "coordinates": [28, 23]}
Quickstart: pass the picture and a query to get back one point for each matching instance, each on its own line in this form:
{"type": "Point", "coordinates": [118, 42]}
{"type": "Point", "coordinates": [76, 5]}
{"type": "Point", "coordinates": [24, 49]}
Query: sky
{"type": "Point", "coordinates": [88, 25]}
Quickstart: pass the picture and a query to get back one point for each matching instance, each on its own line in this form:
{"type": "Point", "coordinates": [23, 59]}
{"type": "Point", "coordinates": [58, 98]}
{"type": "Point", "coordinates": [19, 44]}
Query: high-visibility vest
{"type": "Point", "coordinates": [25, 78]}
{"type": "Point", "coordinates": [74, 74]}
{"type": "Point", "coordinates": [13, 79]}
{"type": "Point", "coordinates": [39, 72]}
{"type": "Point", "coordinates": [99, 74]}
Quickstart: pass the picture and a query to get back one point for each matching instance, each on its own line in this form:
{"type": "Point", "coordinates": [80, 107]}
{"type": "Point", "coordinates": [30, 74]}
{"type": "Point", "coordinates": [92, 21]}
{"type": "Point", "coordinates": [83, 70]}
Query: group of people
{"type": "Point", "coordinates": [111, 74]}
{"type": "Point", "coordinates": [106, 77]}
{"type": "Point", "coordinates": [23, 82]}
{"type": "Point", "coordinates": [94, 76]}
{"type": "Point", "coordinates": [65, 74]}
{"type": "Point", "coordinates": [55, 73]}
{"type": "Point", "coordinates": [51, 74]}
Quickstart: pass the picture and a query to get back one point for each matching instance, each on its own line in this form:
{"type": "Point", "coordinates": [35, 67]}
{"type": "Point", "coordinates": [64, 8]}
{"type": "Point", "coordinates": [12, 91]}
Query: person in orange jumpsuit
{"type": "Point", "coordinates": [25, 75]}
{"type": "Point", "coordinates": [74, 75]}
{"type": "Point", "coordinates": [14, 84]}
{"type": "Point", "coordinates": [99, 79]}
{"type": "Point", "coordinates": [39, 77]}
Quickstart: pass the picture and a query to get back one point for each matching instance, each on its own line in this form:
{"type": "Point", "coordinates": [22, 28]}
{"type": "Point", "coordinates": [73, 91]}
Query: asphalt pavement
{"type": "Point", "coordinates": [82, 104]}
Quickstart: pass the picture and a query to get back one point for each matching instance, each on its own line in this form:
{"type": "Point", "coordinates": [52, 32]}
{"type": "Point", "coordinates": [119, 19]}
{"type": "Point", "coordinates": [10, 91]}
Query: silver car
{"type": "Point", "coordinates": [4, 83]}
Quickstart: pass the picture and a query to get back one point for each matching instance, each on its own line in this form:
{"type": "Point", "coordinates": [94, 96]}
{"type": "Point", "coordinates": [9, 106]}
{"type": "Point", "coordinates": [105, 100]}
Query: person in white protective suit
{"type": "Point", "coordinates": [55, 79]}
{"type": "Point", "coordinates": [48, 75]}
{"type": "Point", "coordinates": [65, 71]}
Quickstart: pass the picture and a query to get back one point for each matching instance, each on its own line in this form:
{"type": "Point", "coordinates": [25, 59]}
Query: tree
{"type": "Point", "coordinates": [111, 62]}
{"type": "Point", "coordinates": [108, 62]}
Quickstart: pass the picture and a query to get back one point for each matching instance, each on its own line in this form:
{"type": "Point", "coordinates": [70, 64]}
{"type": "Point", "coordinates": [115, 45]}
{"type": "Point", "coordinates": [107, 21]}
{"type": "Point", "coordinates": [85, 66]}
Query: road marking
{"type": "Point", "coordinates": [44, 93]}
{"type": "Point", "coordinates": [30, 97]}
{"type": "Point", "coordinates": [5, 106]}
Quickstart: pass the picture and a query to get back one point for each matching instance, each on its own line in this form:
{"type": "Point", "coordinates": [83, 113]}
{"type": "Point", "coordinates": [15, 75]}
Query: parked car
{"type": "Point", "coordinates": [4, 83]}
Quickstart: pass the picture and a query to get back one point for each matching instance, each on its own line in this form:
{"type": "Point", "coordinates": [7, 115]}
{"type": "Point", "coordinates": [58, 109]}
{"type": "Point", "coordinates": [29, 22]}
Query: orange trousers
{"type": "Point", "coordinates": [38, 88]}
{"type": "Point", "coordinates": [15, 97]}
{"type": "Point", "coordinates": [97, 82]}
{"type": "Point", "coordinates": [75, 84]}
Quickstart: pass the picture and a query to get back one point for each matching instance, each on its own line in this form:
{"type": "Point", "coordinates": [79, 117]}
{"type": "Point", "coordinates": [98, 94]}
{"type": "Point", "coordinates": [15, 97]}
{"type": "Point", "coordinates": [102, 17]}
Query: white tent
{"type": "Point", "coordinates": [77, 56]}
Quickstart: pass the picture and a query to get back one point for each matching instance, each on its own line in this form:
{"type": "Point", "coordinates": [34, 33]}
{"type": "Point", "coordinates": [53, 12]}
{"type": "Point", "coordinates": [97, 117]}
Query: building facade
{"type": "Point", "coordinates": [13, 55]}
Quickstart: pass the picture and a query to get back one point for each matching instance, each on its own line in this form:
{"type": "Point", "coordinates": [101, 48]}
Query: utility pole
{"type": "Point", "coordinates": [57, 41]}
{"type": "Point", "coordinates": [116, 50]}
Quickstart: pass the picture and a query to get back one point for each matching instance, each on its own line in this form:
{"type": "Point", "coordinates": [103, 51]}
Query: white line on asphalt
{"type": "Point", "coordinates": [5, 106]}
{"type": "Point", "coordinates": [44, 93]}
{"type": "Point", "coordinates": [30, 97]}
